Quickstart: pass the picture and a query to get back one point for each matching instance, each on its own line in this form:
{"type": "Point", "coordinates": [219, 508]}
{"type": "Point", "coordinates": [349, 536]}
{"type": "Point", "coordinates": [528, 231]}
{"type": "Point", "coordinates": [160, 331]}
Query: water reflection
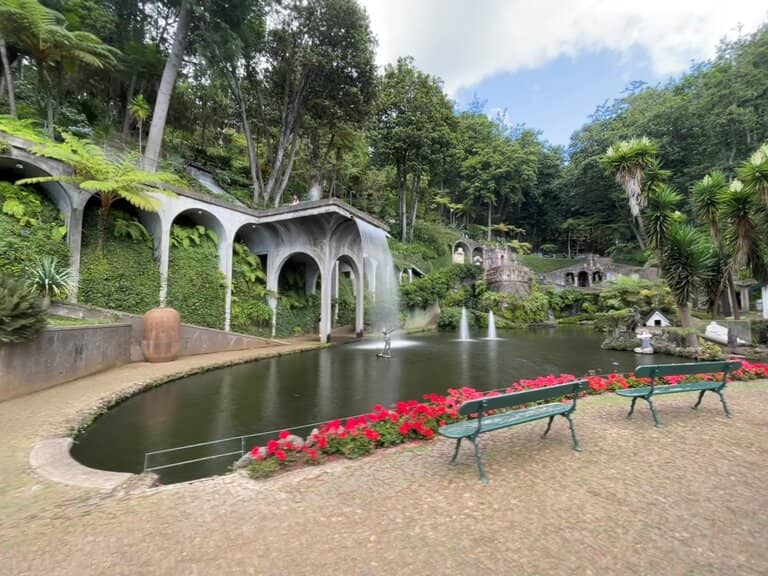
{"type": "Point", "coordinates": [330, 383]}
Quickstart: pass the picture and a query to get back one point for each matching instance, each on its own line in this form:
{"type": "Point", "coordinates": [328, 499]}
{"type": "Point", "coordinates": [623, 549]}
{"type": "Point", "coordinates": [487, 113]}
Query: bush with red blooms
{"type": "Point", "coordinates": [414, 421]}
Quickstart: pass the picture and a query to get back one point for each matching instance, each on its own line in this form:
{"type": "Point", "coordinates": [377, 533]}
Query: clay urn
{"type": "Point", "coordinates": [161, 339]}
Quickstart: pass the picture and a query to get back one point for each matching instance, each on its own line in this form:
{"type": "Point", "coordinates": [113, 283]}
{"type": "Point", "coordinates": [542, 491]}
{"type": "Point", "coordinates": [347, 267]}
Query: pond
{"type": "Point", "coordinates": [325, 384]}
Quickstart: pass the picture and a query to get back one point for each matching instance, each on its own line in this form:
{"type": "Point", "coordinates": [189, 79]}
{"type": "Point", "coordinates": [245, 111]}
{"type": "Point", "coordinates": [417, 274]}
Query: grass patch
{"type": "Point", "coordinates": [545, 265]}
{"type": "Point", "coordinates": [66, 321]}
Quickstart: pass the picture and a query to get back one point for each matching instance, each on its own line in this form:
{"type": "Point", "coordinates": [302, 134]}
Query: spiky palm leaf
{"type": "Point", "coordinates": [687, 261]}
{"type": "Point", "coordinates": [754, 173]}
{"type": "Point", "coordinates": [660, 214]}
{"type": "Point", "coordinates": [627, 160]}
{"type": "Point", "coordinates": [21, 312]}
{"type": "Point", "coordinates": [745, 234]}
{"type": "Point", "coordinates": [706, 196]}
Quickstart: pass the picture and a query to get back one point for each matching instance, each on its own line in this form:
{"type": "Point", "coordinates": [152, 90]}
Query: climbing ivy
{"type": "Point", "coordinates": [125, 275]}
{"type": "Point", "coordinates": [196, 287]}
{"type": "Point", "coordinates": [250, 313]}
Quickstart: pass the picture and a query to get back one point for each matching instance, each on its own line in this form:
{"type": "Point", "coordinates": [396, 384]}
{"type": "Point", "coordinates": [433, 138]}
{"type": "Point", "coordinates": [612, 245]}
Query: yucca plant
{"type": "Point", "coordinates": [628, 160]}
{"type": "Point", "coordinates": [50, 279]}
{"type": "Point", "coordinates": [754, 173]}
{"type": "Point", "coordinates": [661, 214]}
{"type": "Point", "coordinates": [745, 234]}
{"type": "Point", "coordinates": [21, 312]}
{"type": "Point", "coordinates": [688, 261]}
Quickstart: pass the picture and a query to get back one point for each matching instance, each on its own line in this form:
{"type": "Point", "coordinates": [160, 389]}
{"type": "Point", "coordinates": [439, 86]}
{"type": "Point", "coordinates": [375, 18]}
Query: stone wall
{"type": "Point", "coordinates": [194, 339]}
{"type": "Point", "coordinates": [61, 354]}
{"type": "Point", "coordinates": [422, 318]}
{"type": "Point", "coordinates": [511, 278]}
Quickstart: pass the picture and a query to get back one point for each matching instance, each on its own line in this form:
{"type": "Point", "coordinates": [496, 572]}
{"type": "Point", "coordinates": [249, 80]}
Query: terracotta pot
{"type": "Point", "coordinates": [161, 339]}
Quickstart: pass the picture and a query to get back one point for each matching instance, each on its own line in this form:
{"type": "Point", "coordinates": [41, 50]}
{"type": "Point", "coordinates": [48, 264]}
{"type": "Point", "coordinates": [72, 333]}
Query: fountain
{"type": "Point", "coordinates": [464, 326]}
{"type": "Point", "coordinates": [382, 279]}
{"type": "Point", "coordinates": [491, 326]}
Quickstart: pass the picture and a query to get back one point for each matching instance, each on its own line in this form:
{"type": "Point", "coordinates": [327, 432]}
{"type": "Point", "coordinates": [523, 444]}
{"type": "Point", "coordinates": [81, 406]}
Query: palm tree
{"type": "Point", "coordinates": [754, 173]}
{"type": "Point", "coordinates": [43, 36]}
{"type": "Point", "coordinates": [628, 160]}
{"type": "Point", "coordinates": [661, 214]}
{"type": "Point", "coordinates": [17, 17]}
{"type": "Point", "coordinates": [745, 234]}
{"type": "Point", "coordinates": [108, 181]}
{"type": "Point", "coordinates": [688, 260]}
{"type": "Point", "coordinates": [706, 196]}
{"type": "Point", "coordinates": [139, 109]}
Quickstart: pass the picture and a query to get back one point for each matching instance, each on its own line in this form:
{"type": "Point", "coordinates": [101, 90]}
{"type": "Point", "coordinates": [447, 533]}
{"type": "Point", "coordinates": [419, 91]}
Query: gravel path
{"type": "Point", "coordinates": [687, 499]}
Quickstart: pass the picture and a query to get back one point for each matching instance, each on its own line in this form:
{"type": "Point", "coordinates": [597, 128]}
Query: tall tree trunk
{"type": "Point", "coordinates": [253, 161]}
{"type": "Point", "coordinates": [164, 92]}
{"type": "Point", "coordinates": [8, 75]}
{"type": "Point", "coordinates": [415, 203]}
{"type": "Point", "coordinates": [402, 191]}
{"type": "Point", "coordinates": [128, 98]}
{"type": "Point", "coordinates": [691, 340]}
{"type": "Point", "coordinates": [287, 171]}
{"type": "Point", "coordinates": [732, 297]}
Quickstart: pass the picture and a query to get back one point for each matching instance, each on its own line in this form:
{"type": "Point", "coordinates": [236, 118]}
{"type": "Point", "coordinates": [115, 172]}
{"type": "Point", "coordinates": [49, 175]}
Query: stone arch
{"type": "Point", "coordinates": [342, 262]}
{"type": "Point", "coordinates": [597, 277]}
{"type": "Point", "coordinates": [311, 264]}
{"type": "Point", "coordinates": [569, 279]}
{"type": "Point", "coordinates": [70, 201]}
{"type": "Point", "coordinates": [478, 255]}
{"type": "Point", "coordinates": [466, 251]}
{"type": "Point", "coordinates": [583, 279]}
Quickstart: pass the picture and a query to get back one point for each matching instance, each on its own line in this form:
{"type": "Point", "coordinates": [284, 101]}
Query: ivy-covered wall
{"type": "Point", "coordinates": [196, 287]}
{"type": "Point", "coordinates": [30, 227]}
{"type": "Point", "coordinates": [125, 275]}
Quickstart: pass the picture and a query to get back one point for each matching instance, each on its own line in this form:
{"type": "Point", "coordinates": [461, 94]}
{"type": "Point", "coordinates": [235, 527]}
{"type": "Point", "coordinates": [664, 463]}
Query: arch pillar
{"type": "Point", "coordinates": [74, 221]}
{"type": "Point", "coordinates": [164, 250]}
{"type": "Point", "coordinates": [273, 275]}
{"type": "Point", "coordinates": [359, 300]}
{"type": "Point", "coordinates": [225, 266]}
{"type": "Point", "coordinates": [326, 290]}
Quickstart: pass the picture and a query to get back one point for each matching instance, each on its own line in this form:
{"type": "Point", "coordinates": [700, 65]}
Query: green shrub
{"type": "Point", "coordinates": [21, 311]}
{"type": "Point", "coordinates": [516, 310]}
{"type": "Point", "coordinates": [450, 318]}
{"type": "Point", "coordinates": [435, 286]}
{"type": "Point", "coordinates": [30, 227]}
{"type": "Point", "coordinates": [263, 468]}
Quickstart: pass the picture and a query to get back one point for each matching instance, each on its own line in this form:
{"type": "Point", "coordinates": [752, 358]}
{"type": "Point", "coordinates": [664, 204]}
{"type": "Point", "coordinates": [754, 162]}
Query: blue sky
{"type": "Point", "coordinates": [549, 63]}
{"type": "Point", "coordinates": [558, 97]}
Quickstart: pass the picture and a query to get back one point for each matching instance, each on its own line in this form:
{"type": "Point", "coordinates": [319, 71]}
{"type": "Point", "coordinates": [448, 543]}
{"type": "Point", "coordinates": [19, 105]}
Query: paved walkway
{"type": "Point", "coordinates": [688, 499]}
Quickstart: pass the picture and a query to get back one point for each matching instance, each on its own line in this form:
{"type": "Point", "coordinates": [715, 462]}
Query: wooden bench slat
{"type": "Point", "coordinates": [671, 388]}
{"type": "Point", "coordinates": [659, 370]}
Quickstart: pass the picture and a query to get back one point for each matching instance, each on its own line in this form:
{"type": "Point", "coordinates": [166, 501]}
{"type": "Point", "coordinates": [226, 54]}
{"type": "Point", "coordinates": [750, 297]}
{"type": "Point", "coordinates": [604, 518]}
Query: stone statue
{"type": "Point", "coordinates": [387, 352]}
{"type": "Point", "coordinates": [458, 256]}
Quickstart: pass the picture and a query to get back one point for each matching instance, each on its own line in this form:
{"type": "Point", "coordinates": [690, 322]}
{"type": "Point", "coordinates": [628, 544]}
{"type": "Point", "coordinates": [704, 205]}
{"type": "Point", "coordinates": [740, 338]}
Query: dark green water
{"type": "Point", "coordinates": [326, 384]}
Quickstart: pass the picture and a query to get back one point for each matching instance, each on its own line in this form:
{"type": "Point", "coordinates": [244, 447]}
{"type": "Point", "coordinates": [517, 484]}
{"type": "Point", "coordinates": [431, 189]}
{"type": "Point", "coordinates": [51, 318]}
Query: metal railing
{"type": "Point", "coordinates": [242, 441]}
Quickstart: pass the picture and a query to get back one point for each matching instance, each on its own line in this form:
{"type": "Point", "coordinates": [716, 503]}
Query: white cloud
{"type": "Point", "coordinates": [465, 41]}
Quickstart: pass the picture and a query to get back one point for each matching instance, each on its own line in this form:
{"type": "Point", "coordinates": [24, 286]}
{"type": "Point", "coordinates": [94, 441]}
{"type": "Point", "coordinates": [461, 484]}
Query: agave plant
{"type": "Point", "coordinates": [50, 279]}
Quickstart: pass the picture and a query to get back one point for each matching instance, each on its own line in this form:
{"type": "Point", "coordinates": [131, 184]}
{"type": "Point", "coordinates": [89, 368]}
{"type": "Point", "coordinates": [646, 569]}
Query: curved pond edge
{"type": "Point", "coordinates": [51, 457]}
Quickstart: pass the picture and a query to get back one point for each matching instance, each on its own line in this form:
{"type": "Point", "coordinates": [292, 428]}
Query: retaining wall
{"type": "Point", "coordinates": [61, 354]}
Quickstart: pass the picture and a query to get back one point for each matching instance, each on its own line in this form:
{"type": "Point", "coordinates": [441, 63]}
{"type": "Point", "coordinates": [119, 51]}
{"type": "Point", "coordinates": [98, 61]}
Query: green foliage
{"type": "Point", "coordinates": [300, 315]}
{"type": "Point", "coordinates": [450, 318]}
{"type": "Point", "coordinates": [51, 279]}
{"type": "Point", "coordinates": [28, 129]}
{"type": "Point", "coordinates": [545, 265]}
{"type": "Point", "coordinates": [436, 285]}
{"type": "Point", "coordinates": [33, 229]}
{"type": "Point", "coordinates": [250, 313]}
{"type": "Point", "coordinates": [190, 236]}
{"type": "Point", "coordinates": [124, 276]}
{"type": "Point", "coordinates": [626, 293]}
{"type": "Point", "coordinates": [515, 310]}
{"type": "Point", "coordinates": [263, 468]}
{"type": "Point", "coordinates": [196, 287]}
{"type": "Point", "coordinates": [21, 312]}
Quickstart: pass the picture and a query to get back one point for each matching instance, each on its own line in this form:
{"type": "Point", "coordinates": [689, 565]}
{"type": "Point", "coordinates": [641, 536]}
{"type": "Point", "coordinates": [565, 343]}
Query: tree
{"type": "Point", "coordinates": [165, 90]}
{"type": "Point", "coordinates": [754, 173]}
{"type": "Point", "coordinates": [627, 160]}
{"type": "Point", "coordinates": [412, 120]}
{"type": "Point", "coordinates": [707, 196]}
{"type": "Point", "coordinates": [43, 35]}
{"type": "Point", "coordinates": [108, 181]}
{"type": "Point", "coordinates": [139, 111]}
{"type": "Point", "coordinates": [687, 261]}
{"type": "Point", "coordinates": [745, 231]}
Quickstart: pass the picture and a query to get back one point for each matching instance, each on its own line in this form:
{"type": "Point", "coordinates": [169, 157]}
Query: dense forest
{"type": "Point", "coordinates": [281, 99]}
{"type": "Point", "coordinates": [277, 98]}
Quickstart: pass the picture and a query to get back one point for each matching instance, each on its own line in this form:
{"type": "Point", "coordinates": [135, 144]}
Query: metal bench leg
{"type": "Point", "coordinates": [456, 450]}
{"type": "Point", "coordinates": [549, 425]}
{"type": "Point", "coordinates": [576, 445]}
{"type": "Point", "coordinates": [725, 404]}
{"type": "Point", "coordinates": [701, 395]}
{"type": "Point", "coordinates": [479, 460]}
{"type": "Point", "coordinates": [632, 408]}
{"type": "Point", "coordinates": [656, 420]}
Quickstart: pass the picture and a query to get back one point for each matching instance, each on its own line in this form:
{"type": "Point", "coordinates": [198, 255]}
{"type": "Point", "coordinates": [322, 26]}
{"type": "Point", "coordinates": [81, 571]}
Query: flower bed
{"type": "Point", "coordinates": [416, 421]}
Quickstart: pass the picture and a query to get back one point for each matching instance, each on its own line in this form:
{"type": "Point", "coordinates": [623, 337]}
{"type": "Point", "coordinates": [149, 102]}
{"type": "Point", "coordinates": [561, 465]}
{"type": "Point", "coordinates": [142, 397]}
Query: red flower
{"type": "Point", "coordinates": [283, 434]}
{"type": "Point", "coordinates": [372, 435]}
{"type": "Point", "coordinates": [280, 455]}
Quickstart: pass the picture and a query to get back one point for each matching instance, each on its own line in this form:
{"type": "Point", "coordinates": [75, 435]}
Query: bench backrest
{"type": "Point", "coordinates": [525, 397]}
{"type": "Point", "coordinates": [659, 370]}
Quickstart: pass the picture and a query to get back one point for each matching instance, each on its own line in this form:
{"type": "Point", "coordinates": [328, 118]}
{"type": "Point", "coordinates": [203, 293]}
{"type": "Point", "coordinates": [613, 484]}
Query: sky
{"type": "Point", "coordinates": [549, 63]}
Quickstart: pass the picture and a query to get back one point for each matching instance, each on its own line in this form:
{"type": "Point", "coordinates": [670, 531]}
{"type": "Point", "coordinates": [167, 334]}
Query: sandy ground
{"type": "Point", "coordinates": [687, 499]}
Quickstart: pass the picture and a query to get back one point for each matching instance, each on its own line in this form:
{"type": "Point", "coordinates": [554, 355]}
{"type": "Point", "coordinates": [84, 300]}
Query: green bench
{"type": "Point", "coordinates": [658, 371]}
{"type": "Point", "coordinates": [482, 423]}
